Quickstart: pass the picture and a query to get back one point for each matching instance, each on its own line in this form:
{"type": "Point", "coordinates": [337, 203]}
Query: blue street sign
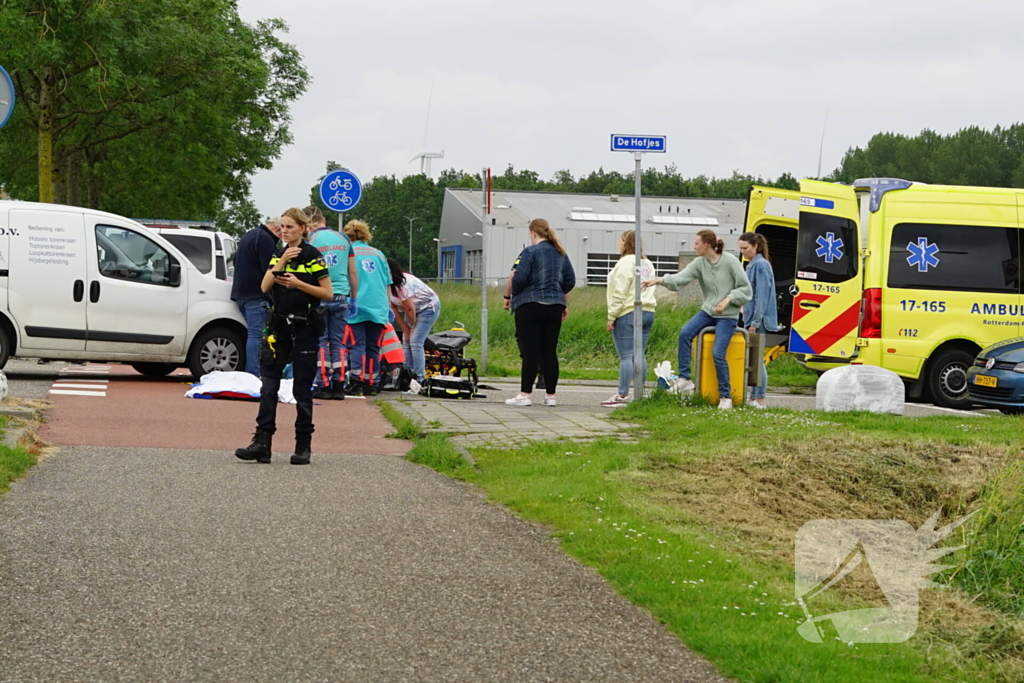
{"type": "Point", "coordinates": [341, 191]}
{"type": "Point", "coordinates": [639, 143]}
{"type": "Point", "coordinates": [6, 97]}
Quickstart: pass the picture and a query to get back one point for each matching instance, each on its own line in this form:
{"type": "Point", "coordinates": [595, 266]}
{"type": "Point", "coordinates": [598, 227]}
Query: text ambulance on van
{"type": "Point", "coordinates": [79, 284]}
{"type": "Point", "coordinates": [910, 277]}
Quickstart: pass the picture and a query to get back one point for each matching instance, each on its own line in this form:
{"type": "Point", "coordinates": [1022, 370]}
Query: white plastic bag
{"type": "Point", "coordinates": [663, 371]}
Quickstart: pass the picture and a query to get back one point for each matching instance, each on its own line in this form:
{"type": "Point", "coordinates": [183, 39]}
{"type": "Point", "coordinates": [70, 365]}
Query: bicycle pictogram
{"type": "Point", "coordinates": [340, 199]}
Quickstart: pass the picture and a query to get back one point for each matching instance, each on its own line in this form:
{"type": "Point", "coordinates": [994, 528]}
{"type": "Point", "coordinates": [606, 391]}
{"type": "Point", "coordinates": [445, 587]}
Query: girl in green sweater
{"type": "Point", "coordinates": [725, 288]}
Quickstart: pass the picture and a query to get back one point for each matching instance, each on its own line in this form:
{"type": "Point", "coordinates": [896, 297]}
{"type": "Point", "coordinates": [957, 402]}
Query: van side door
{"type": "Point", "coordinates": [46, 283]}
{"type": "Point", "coordinates": [826, 308]}
{"type": "Point", "coordinates": [137, 298]}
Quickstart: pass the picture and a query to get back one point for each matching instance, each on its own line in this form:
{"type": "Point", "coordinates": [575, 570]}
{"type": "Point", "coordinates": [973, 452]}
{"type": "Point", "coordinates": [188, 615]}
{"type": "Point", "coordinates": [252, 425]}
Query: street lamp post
{"type": "Point", "coordinates": [440, 277]}
{"type": "Point", "coordinates": [410, 240]}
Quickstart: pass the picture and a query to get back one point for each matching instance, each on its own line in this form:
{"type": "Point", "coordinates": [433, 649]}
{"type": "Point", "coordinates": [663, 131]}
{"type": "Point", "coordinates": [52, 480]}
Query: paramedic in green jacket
{"type": "Point", "coordinates": [725, 288]}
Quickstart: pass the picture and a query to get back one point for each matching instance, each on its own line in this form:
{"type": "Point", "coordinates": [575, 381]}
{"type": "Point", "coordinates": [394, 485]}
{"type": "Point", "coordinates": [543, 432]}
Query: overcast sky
{"type": "Point", "coordinates": [734, 84]}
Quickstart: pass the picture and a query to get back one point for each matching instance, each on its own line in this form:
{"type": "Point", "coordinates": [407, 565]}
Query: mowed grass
{"type": "Point", "coordinates": [697, 520]}
{"type": "Point", "coordinates": [585, 348]}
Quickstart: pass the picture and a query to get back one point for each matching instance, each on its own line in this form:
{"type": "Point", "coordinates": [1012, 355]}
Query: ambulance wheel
{"type": "Point", "coordinates": [219, 348]}
{"type": "Point", "coordinates": [154, 369]}
{"type": "Point", "coordinates": [947, 378]}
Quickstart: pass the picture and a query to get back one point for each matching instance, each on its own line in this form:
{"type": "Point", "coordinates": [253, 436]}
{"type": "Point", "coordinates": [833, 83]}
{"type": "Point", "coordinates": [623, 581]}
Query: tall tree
{"type": "Point", "coordinates": [144, 106]}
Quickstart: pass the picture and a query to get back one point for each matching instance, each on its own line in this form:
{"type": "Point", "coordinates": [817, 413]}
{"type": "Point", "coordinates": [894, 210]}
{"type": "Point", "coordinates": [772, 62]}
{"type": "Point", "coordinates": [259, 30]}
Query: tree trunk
{"type": "Point", "coordinates": [46, 88]}
{"type": "Point", "coordinates": [73, 179]}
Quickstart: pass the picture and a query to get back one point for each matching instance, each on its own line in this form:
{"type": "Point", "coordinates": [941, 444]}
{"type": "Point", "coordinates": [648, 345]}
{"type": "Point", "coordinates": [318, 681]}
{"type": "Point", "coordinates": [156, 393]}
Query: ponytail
{"type": "Point", "coordinates": [545, 231]}
{"type": "Point", "coordinates": [759, 242]}
{"type": "Point", "coordinates": [709, 238]}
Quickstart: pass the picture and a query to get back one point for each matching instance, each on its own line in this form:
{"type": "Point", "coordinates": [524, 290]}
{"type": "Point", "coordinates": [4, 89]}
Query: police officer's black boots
{"type": "Point", "coordinates": [338, 390]}
{"type": "Point", "coordinates": [302, 449]}
{"type": "Point", "coordinates": [258, 450]}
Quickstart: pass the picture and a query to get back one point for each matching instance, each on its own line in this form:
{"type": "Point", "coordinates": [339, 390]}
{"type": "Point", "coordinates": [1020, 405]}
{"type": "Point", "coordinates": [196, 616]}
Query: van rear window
{"type": "Point", "coordinates": [827, 247]}
{"type": "Point", "coordinates": [965, 258]}
{"type": "Point", "coordinates": [198, 250]}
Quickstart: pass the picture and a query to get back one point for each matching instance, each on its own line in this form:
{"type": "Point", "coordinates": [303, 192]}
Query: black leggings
{"type": "Point", "coordinates": [538, 327]}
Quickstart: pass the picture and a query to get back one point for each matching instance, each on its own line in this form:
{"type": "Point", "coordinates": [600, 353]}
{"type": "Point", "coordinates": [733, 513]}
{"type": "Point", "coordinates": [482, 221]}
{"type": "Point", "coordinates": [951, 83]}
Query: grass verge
{"type": "Point", "coordinates": [14, 462]}
{"type": "Point", "coordinates": [696, 522]}
{"type": "Point", "coordinates": [585, 347]}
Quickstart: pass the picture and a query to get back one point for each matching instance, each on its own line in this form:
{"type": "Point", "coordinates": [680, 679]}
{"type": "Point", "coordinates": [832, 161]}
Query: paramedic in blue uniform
{"type": "Point", "coordinates": [298, 280]}
{"type": "Point", "coordinates": [341, 264]}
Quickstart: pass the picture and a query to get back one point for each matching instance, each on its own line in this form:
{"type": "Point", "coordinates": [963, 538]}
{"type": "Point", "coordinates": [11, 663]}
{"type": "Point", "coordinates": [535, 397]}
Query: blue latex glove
{"type": "Point", "coordinates": [352, 309]}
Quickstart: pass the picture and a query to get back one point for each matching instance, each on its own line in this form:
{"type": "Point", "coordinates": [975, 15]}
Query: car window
{"type": "Point", "coordinates": [198, 250]}
{"type": "Point", "coordinates": [124, 254]}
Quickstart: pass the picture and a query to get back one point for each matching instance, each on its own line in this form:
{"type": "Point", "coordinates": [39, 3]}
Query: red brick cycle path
{"type": "Point", "coordinates": [144, 412]}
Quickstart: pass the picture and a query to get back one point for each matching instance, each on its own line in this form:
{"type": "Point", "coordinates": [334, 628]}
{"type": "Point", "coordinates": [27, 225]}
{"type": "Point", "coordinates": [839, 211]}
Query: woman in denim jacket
{"type": "Point", "coordinates": [542, 278]}
{"type": "Point", "coordinates": [760, 315]}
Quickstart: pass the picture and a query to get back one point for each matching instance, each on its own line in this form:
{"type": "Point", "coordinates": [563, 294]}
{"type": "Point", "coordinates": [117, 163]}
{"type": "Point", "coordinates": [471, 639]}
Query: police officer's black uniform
{"type": "Point", "coordinates": [292, 336]}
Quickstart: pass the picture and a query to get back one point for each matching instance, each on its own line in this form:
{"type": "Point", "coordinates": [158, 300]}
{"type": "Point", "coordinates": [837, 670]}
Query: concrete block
{"type": "Point", "coordinates": [861, 387]}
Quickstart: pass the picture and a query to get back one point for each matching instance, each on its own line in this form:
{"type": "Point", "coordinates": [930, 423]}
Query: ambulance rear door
{"type": "Point", "coordinates": [775, 214]}
{"type": "Point", "coordinates": [826, 307]}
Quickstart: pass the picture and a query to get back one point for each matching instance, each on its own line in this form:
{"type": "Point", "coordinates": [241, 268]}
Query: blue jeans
{"type": "Point", "coordinates": [724, 327]}
{"type": "Point", "coordinates": [255, 313]}
{"type": "Point", "coordinates": [622, 335]}
{"type": "Point", "coordinates": [414, 355]}
{"type": "Point", "coordinates": [330, 359]}
{"type": "Point", "coordinates": [363, 340]}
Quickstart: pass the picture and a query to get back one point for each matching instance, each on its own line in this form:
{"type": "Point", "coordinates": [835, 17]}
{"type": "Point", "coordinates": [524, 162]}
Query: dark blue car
{"type": "Point", "coordinates": [997, 377]}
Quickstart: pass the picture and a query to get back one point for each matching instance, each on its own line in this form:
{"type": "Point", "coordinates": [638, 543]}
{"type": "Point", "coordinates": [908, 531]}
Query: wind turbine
{"type": "Point", "coordinates": [425, 158]}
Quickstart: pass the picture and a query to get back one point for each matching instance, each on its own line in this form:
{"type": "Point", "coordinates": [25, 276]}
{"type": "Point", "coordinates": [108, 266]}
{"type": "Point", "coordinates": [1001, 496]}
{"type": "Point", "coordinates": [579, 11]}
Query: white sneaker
{"type": "Point", "coordinates": [725, 404]}
{"type": "Point", "coordinates": [681, 386]}
{"type": "Point", "coordinates": [759, 406]}
{"type": "Point", "coordinates": [549, 401]}
{"type": "Point", "coordinates": [615, 401]}
{"type": "Point", "coordinates": [521, 400]}
{"type": "Point", "coordinates": [414, 387]}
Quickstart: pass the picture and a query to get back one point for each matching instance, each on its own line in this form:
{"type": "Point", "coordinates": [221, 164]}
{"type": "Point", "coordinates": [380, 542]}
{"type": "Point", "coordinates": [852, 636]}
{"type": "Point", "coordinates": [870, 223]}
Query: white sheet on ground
{"type": "Point", "coordinates": [237, 382]}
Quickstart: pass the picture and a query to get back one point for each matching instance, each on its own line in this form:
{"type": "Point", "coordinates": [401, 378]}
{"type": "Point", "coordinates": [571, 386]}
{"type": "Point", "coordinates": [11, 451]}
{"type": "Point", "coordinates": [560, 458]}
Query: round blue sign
{"type": "Point", "coordinates": [341, 191]}
{"type": "Point", "coordinates": [6, 97]}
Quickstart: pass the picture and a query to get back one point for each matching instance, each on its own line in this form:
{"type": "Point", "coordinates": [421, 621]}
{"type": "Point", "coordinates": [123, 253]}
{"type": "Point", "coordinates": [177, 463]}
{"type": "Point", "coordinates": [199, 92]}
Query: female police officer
{"type": "Point", "coordinates": [298, 280]}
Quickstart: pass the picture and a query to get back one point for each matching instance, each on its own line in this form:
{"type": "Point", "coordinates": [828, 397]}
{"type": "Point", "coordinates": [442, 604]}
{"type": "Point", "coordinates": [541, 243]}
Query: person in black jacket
{"type": "Point", "coordinates": [251, 259]}
{"type": "Point", "coordinates": [298, 280]}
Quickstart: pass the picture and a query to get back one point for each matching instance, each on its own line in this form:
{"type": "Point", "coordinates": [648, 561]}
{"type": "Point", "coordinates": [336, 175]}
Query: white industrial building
{"type": "Point", "coordinates": [588, 225]}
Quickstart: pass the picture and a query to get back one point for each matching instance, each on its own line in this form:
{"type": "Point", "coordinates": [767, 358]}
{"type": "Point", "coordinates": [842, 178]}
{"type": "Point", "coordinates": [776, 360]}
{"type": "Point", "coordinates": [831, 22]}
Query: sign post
{"type": "Point", "coordinates": [638, 145]}
{"type": "Point", "coordinates": [6, 97]}
{"type": "Point", "coordinates": [486, 176]}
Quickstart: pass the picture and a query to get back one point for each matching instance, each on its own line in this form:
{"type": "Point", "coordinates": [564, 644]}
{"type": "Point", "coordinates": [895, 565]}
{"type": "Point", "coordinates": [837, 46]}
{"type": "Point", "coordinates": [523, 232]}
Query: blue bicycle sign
{"type": "Point", "coordinates": [340, 191]}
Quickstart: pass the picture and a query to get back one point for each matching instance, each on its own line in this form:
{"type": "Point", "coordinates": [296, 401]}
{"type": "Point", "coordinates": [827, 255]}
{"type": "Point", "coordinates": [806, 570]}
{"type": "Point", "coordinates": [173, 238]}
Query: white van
{"type": "Point", "coordinates": [79, 284]}
{"type": "Point", "coordinates": [211, 251]}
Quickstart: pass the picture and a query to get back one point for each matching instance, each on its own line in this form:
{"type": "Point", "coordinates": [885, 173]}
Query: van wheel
{"type": "Point", "coordinates": [217, 349]}
{"type": "Point", "coordinates": [5, 348]}
{"type": "Point", "coordinates": [154, 369]}
{"type": "Point", "coordinates": [947, 378]}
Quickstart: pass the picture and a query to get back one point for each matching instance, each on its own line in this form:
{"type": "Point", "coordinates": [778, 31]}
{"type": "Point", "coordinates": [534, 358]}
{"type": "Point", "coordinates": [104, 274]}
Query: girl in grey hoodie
{"type": "Point", "coordinates": [725, 288]}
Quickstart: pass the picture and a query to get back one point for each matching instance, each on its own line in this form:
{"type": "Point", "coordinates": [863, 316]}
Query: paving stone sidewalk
{"type": "Point", "coordinates": [492, 423]}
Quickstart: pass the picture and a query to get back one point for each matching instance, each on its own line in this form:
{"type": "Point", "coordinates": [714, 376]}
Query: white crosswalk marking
{"type": "Point", "coordinates": [68, 384]}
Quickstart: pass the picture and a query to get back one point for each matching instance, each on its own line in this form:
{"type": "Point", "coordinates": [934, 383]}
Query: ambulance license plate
{"type": "Point", "coordinates": [985, 380]}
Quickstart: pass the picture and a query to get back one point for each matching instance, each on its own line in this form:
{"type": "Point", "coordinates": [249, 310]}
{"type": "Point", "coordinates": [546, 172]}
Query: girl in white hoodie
{"type": "Point", "coordinates": [621, 294]}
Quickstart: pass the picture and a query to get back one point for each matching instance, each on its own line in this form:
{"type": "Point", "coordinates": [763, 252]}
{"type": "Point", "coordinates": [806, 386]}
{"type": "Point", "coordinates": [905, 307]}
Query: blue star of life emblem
{"type": "Point", "coordinates": [369, 266]}
{"type": "Point", "coordinates": [830, 248]}
{"type": "Point", "coordinates": [923, 254]}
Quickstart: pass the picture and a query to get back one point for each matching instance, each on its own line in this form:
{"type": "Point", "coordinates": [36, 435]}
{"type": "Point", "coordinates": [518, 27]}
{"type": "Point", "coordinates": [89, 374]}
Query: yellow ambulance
{"type": "Point", "coordinates": [910, 277]}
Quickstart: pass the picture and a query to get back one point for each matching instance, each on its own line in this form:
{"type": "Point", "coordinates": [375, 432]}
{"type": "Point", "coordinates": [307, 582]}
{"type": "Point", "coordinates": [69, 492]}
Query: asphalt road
{"type": "Point", "coordinates": [125, 562]}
